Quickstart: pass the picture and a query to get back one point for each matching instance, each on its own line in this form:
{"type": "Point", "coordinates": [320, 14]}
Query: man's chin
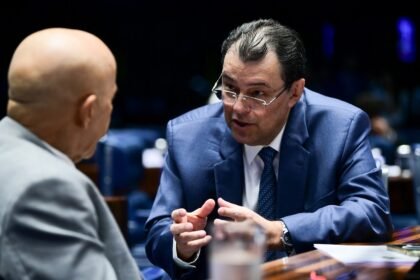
{"type": "Point", "coordinates": [242, 139]}
{"type": "Point", "coordinates": [247, 139]}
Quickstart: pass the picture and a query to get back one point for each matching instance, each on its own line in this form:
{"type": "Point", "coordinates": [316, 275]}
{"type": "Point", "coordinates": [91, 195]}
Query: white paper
{"type": "Point", "coordinates": [364, 254]}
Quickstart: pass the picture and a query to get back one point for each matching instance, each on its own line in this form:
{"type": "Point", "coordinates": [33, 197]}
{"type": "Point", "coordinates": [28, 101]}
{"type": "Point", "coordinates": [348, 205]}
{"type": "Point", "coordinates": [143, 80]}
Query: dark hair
{"type": "Point", "coordinates": [254, 39]}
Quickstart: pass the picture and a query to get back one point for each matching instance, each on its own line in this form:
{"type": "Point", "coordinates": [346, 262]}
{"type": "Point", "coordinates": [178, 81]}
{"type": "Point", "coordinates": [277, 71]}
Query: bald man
{"type": "Point", "coordinates": [53, 222]}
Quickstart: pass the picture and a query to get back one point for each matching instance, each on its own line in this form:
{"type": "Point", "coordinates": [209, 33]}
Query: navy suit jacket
{"type": "Point", "coordinates": [329, 189]}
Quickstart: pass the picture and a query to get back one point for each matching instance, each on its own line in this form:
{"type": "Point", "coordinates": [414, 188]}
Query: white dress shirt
{"type": "Point", "coordinates": [253, 167]}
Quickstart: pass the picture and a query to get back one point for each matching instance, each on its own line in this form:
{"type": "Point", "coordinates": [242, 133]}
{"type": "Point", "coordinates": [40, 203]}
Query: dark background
{"type": "Point", "coordinates": [168, 52]}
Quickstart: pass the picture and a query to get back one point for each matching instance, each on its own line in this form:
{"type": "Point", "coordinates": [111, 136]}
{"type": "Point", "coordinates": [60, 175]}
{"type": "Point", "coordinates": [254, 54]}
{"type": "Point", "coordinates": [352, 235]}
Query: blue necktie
{"type": "Point", "coordinates": [266, 198]}
{"type": "Point", "coordinates": [266, 206]}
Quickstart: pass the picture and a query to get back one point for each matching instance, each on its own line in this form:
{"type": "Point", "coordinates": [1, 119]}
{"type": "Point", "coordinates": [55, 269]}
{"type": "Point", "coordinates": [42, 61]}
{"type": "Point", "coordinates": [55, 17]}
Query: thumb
{"type": "Point", "coordinates": [205, 209]}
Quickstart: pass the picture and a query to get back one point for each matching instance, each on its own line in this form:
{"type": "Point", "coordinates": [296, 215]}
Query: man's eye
{"type": "Point", "coordinates": [257, 94]}
{"type": "Point", "coordinates": [229, 87]}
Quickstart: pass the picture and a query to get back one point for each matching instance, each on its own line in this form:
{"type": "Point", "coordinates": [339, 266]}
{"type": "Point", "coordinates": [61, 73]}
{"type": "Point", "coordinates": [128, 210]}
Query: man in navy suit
{"type": "Point", "coordinates": [328, 188]}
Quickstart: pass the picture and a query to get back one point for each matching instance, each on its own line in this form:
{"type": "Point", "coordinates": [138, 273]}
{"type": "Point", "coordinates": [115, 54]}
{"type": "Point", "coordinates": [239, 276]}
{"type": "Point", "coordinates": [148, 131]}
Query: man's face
{"type": "Point", "coordinates": [257, 126]}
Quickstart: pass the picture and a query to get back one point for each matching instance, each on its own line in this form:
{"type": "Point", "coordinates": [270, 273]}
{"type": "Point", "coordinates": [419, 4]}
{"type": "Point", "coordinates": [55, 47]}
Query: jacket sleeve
{"type": "Point", "coordinates": [361, 212]}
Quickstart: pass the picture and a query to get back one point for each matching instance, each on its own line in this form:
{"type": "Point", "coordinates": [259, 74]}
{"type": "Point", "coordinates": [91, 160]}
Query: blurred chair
{"type": "Point", "coordinates": [387, 148]}
{"type": "Point", "coordinates": [120, 160]}
{"type": "Point", "coordinates": [408, 198]}
{"type": "Point", "coordinates": [119, 157]}
{"type": "Point", "coordinates": [380, 163]}
{"type": "Point", "coordinates": [139, 205]}
{"type": "Point", "coordinates": [416, 177]}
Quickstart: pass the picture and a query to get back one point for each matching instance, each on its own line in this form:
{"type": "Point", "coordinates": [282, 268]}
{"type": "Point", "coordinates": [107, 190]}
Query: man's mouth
{"type": "Point", "coordinates": [240, 123]}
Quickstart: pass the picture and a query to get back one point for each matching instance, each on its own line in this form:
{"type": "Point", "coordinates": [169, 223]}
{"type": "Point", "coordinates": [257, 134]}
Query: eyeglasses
{"type": "Point", "coordinates": [230, 97]}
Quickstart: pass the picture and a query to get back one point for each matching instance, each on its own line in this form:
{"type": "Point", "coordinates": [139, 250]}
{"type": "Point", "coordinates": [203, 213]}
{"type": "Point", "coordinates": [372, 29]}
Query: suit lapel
{"type": "Point", "coordinates": [293, 164]}
{"type": "Point", "coordinates": [229, 172]}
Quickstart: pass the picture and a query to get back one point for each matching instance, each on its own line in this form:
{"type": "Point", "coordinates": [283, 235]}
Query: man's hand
{"type": "Point", "coordinates": [273, 229]}
{"type": "Point", "coordinates": [188, 229]}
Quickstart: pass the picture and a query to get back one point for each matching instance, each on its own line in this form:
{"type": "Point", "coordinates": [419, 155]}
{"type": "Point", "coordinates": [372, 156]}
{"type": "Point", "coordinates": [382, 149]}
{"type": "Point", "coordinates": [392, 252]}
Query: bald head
{"type": "Point", "coordinates": [53, 66]}
{"type": "Point", "coordinates": [61, 82]}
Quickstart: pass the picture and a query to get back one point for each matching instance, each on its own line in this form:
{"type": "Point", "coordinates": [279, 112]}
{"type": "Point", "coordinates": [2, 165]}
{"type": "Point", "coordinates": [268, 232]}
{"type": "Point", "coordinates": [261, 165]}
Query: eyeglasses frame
{"type": "Point", "coordinates": [218, 92]}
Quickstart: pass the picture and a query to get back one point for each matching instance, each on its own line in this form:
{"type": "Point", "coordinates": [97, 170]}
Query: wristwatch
{"type": "Point", "coordinates": [286, 240]}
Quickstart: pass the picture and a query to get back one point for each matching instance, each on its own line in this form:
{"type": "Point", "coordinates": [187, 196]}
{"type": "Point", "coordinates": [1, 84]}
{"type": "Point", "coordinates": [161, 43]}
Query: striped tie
{"type": "Point", "coordinates": [267, 196]}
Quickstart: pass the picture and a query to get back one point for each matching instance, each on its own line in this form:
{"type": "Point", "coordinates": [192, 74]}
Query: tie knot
{"type": "Point", "coordinates": [267, 154]}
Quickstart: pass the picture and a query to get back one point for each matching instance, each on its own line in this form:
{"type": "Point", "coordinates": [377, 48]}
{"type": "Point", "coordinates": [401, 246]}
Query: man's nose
{"type": "Point", "coordinates": [241, 105]}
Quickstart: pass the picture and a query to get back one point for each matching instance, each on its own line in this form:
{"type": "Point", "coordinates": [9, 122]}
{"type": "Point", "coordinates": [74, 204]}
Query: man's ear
{"type": "Point", "coordinates": [296, 91]}
{"type": "Point", "coordinates": [86, 110]}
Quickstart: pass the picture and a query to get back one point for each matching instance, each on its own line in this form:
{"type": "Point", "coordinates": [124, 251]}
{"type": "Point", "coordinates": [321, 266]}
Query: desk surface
{"type": "Point", "coordinates": [300, 266]}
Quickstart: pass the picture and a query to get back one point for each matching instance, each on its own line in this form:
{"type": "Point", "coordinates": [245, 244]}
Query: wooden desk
{"type": "Point", "coordinates": [118, 207]}
{"type": "Point", "coordinates": [300, 266]}
{"type": "Point", "coordinates": [150, 181]}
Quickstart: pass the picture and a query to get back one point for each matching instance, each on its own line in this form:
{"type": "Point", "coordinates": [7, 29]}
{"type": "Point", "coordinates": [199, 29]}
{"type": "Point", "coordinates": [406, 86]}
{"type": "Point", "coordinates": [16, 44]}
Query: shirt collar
{"type": "Point", "coordinates": [252, 151]}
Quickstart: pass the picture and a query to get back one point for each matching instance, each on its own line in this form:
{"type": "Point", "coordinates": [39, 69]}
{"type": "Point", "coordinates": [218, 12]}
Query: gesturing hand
{"type": "Point", "coordinates": [188, 229]}
{"type": "Point", "coordinates": [237, 213]}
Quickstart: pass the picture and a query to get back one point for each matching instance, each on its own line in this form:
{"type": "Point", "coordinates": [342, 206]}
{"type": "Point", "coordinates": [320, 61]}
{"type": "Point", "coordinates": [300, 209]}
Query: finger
{"type": "Point", "coordinates": [198, 223]}
{"type": "Point", "coordinates": [186, 237]}
{"type": "Point", "coordinates": [179, 215]}
{"type": "Point", "coordinates": [218, 231]}
{"type": "Point", "coordinates": [224, 203]}
{"type": "Point", "coordinates": [206, 209]}
{"type": "Point", "coordinates": [192, 246]}
{"type": "Point", "coordinates": [198, 243]}
{"type": "Point", "coordinates": [237, 213]}
{"type": "Point", "coordinates": [177, 229]}
{"type": "Point", "coordinates": [220, 222]}
{"type": "Point", "coordinates": [227, 212]}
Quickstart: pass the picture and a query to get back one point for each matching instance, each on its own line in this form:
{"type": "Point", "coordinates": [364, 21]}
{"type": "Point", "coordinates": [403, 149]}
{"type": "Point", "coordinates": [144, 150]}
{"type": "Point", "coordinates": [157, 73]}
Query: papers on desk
{"type": "Point", "coordinates": [364, 254]}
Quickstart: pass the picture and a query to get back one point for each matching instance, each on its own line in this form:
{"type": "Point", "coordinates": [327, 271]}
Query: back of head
{"type": "Point", "coordinates": [254, 39]}
{"type": "Point", "coordinates": [51, 70]}
{"type": "Point", "coordinates": [61, 85]}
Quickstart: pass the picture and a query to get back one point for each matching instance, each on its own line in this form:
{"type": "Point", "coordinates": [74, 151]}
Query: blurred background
{"type": "Point", "coordinates": [168, 51]}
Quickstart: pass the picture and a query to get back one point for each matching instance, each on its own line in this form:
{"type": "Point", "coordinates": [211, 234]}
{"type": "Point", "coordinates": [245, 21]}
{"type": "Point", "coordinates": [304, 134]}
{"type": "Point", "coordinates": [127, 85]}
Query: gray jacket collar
{"type": "Point", "coordinates": [12, 128]}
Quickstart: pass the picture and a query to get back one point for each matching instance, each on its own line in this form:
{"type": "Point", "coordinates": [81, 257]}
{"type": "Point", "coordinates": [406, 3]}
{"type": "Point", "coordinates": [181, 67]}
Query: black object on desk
{"type": "Point", "coordinates": [414, 272]}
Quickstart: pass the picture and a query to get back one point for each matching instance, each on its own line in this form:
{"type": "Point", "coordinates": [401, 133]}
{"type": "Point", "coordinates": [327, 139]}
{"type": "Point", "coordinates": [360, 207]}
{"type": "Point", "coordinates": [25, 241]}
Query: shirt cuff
{"type": "Point", "coordinates": [180, 262]}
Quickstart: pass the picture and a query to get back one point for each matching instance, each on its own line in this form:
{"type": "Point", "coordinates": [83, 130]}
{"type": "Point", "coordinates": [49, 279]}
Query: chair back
{"type": "Point", "coordinates": [415, 171]}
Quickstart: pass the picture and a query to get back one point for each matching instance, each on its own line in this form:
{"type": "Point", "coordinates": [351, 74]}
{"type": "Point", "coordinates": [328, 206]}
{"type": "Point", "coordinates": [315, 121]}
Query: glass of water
{"type": "Point", "coordinates": [237, 251]}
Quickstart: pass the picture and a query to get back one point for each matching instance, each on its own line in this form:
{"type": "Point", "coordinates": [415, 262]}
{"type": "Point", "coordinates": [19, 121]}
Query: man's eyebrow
{"type": "Point", "coordinates": [229, 79]}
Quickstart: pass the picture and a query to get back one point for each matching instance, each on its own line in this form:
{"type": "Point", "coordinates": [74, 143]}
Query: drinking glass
{"type": "Point", "coordinates": [236, 251]}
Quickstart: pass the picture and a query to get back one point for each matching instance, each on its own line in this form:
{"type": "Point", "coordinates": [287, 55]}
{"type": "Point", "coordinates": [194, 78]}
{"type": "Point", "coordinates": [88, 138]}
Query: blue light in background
{"type": "Point", "coordinates": [328, 33]}
{"type": "Point", "coordinates": [406, 40]}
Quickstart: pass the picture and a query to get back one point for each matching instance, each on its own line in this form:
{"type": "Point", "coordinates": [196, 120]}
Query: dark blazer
{"type": "Point", "coordinates": [329, 189]}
